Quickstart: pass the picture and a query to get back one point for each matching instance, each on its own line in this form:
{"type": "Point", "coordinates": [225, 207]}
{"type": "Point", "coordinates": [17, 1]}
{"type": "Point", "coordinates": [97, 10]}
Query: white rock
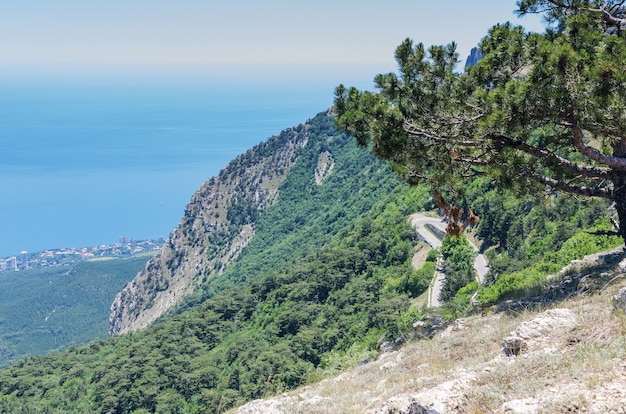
{"type": "Point", "coordinates": [438, 400]}
{"type": "Point", "coordinates": [272, 406]}
{"type": "Point", "coordinates": [545, 323]}
{"type": "Point", "coordinates": [525, 406]}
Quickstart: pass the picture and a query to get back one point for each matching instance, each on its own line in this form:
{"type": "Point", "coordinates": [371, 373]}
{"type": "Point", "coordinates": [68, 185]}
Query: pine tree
{"type": "Point", "coordinates": [539, 113]}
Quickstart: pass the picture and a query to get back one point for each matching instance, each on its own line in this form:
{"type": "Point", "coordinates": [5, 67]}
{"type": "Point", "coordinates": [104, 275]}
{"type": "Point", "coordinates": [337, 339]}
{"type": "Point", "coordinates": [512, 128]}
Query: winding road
{"type": "Point", "coordinates": [419, 223]}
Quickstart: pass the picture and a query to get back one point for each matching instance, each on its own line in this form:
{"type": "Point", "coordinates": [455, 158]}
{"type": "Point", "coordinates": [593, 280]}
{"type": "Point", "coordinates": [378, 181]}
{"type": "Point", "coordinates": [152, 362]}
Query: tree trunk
{"type": "Point", "coordinates": [619, 188]}
{"type": "Point", "coordinates": [619, 197]}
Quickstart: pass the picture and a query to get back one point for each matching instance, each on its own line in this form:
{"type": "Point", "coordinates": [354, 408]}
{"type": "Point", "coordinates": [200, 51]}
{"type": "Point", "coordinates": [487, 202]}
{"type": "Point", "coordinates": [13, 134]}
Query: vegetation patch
{"type": "Point", "coordinates": [46, 309]}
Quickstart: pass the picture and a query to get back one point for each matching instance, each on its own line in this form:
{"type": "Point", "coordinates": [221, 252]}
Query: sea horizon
{"type": "Point", "coordinates": [88, 161]}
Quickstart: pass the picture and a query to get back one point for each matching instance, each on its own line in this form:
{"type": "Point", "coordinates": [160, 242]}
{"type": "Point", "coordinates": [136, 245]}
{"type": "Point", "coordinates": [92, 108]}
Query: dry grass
{"type": "Point", "coordinates": [579, 369]}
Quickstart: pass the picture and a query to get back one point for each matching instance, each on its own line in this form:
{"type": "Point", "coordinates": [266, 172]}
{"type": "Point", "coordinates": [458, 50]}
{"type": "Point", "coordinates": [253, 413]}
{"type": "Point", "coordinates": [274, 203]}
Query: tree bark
{"type": "Point", "coordinates": [619, 197]}
{"type": "Point", "coordinates": [619, 188]}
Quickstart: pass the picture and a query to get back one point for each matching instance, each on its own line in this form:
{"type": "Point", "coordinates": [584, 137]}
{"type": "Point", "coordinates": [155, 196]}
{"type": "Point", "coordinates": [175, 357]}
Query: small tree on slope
{"type": "Point", "coordinates": [539, 113]}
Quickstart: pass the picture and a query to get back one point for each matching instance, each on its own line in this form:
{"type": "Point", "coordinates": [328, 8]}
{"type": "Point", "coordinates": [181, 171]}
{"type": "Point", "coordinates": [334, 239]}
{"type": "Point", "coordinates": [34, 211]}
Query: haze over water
{"type": "Point", "coordinates": [85, 162]}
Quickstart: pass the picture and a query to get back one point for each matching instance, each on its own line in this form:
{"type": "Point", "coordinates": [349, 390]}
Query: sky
{"type": "Point", "coordinates": [245, 37]}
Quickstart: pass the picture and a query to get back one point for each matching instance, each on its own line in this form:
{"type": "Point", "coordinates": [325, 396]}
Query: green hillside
{"type": "Point", "coordinates": [308, 214]}
{"type": "Point", "coordinates": [49, 308]}
{"type": "Point", "coordinates": [326, 278]}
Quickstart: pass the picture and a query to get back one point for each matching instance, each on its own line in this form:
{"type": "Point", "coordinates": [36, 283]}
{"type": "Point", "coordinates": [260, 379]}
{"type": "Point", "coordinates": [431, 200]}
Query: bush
{"type": "Point", "coordinates": [528, 280]}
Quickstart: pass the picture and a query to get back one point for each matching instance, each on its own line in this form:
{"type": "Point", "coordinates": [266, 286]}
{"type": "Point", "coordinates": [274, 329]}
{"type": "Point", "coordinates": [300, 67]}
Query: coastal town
{"type": "Point", "coordinates": [127, 246]}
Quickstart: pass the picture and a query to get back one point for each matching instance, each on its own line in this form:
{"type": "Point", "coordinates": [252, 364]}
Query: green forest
{"type": "Point", "coordinates": [45, 309]}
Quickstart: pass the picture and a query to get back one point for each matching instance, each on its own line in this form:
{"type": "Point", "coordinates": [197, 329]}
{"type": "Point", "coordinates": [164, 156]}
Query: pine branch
{"type": "Point", "coordinates": [607, 16]}
{"type": "Point", "coordinates": [574, 189]}
{"type": "Point", "coordinates": [543, 153]}
{"type": "Point", "coordinates": [616, 7]}
{"type": "Point", "coordinates": [616, 163]}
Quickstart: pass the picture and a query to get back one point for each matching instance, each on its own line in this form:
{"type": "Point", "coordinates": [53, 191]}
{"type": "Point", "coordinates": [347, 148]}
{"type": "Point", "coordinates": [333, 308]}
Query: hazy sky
{"type": "Point", "coordinates": [249, 35]}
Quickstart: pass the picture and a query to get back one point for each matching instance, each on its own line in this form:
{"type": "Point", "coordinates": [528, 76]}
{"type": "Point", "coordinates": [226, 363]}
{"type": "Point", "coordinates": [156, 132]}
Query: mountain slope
{"type": "Point", "coordinates": [219, 222]}
{"type": "Point", "coordinates": [322, 279]}
{"type": "Point", "coordinates": [276, 201]}
{"type": "Point", "coordinates": [571, 359]}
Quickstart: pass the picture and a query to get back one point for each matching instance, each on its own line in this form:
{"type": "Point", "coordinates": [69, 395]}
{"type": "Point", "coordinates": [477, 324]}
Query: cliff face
{"type": "Point", "coordinates": [218, 223]}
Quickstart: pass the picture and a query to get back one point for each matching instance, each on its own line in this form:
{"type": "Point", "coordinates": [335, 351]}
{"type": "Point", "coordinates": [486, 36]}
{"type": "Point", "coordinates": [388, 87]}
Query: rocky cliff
{"type": "Point", "coordinates": [473, 58]}
{"type": "Point", "coordinates": [218, 223]}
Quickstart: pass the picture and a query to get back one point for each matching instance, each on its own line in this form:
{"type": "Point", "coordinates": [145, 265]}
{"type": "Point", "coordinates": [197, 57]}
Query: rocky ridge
{"type": "Point", "coordinates": [473, 58]}
{"type": "Point", "coordinates": [218, 223]}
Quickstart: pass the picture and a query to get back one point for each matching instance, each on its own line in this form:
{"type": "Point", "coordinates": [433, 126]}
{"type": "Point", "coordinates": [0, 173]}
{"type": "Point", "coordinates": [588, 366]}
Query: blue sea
{"type": "Point", "coordinates": [83, 163]}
